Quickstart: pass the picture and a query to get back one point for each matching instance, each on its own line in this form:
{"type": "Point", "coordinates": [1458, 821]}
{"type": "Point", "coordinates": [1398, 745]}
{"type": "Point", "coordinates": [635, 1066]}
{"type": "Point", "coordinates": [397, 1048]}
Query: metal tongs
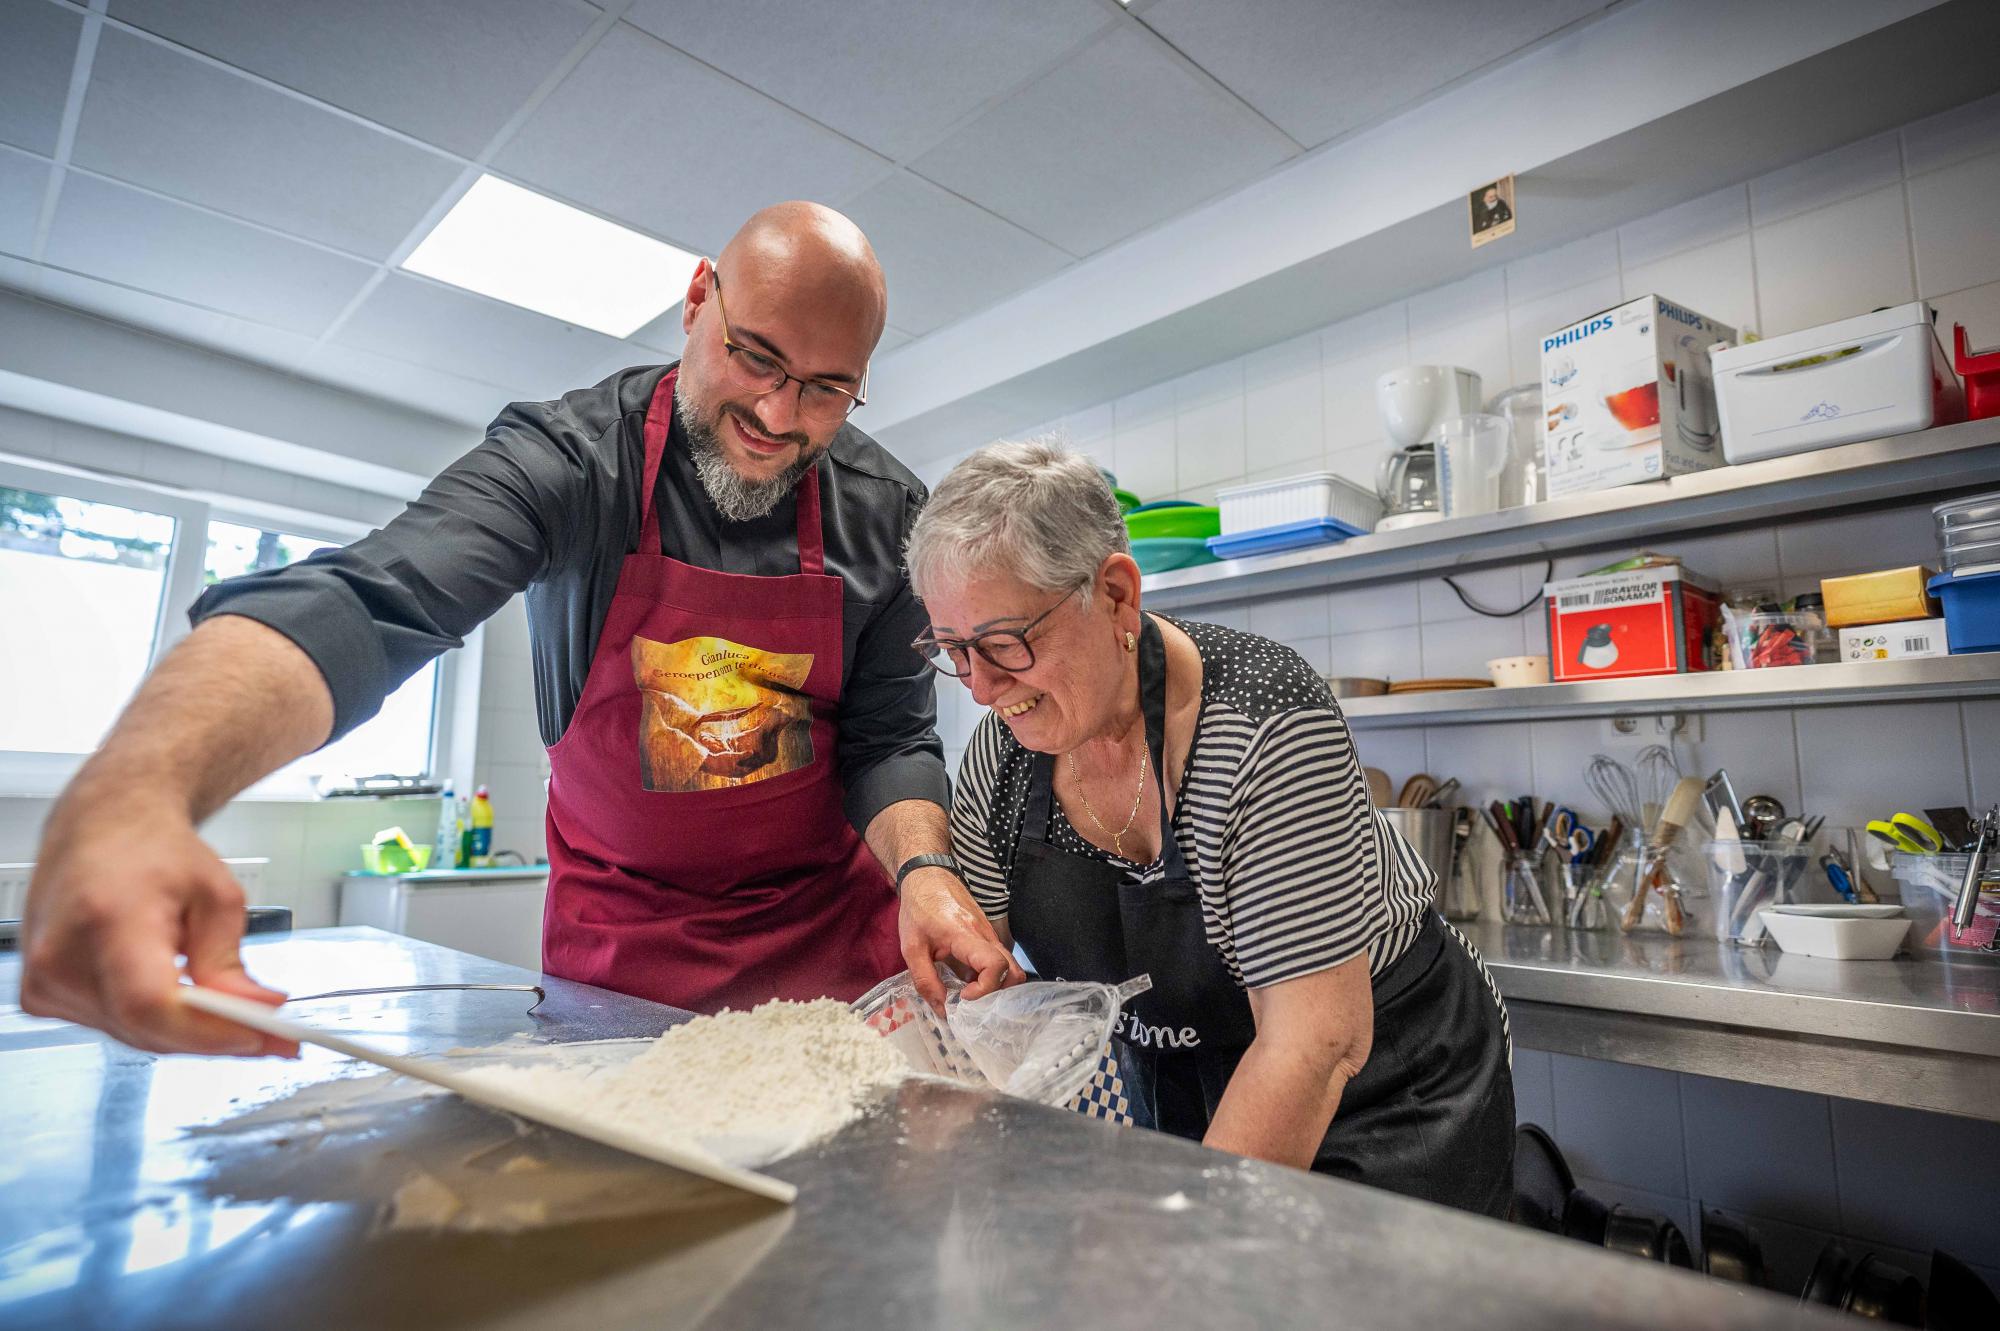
{"type": "Point", "coordinates": [1975, 871]}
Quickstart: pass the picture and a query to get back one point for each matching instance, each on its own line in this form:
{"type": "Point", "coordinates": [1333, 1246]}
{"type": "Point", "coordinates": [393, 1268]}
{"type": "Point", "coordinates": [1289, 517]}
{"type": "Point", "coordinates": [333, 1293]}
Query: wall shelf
{"type": "Point", "coordinates": [1926, 679]}
{"type": "Point", "coordinates": [1929, 464]}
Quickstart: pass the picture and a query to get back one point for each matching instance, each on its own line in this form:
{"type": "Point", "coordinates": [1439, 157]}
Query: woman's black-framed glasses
{"type": "Point", "coordinates": [818, 399]}
{"type": "Point", "coordinates": [1006, 649]}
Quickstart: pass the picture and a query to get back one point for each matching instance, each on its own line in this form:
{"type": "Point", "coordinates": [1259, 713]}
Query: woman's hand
{"type": "Point", "coordinates": [939, 922]}
{"type": "Point", "coordinates": [1313, 1036]}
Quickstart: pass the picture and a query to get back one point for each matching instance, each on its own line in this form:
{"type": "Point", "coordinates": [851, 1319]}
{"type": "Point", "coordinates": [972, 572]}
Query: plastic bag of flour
{"type": "Point", "coordinates": [1041, 1041]}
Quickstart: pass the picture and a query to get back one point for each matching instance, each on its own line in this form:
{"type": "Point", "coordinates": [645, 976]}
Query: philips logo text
{"type": "Point", "coordinates": [1576, 334]}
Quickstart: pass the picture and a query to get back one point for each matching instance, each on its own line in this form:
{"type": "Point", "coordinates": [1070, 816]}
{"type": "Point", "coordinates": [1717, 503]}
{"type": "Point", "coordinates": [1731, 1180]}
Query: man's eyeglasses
{"type": "Point", "coordinates": [1008, 649]}
{"type": "Point", "coordinates": [818, 399]}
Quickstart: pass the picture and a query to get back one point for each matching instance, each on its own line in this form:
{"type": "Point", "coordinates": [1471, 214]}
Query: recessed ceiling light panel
{"type": "Point", "coordinates": [521, 247]}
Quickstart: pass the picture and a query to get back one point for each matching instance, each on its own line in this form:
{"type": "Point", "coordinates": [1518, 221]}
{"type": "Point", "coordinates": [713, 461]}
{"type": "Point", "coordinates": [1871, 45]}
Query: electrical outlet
{"type": "Point", "coordinates": [1663, 728]}
{"type": "Point", "coordinates": [13, 889]}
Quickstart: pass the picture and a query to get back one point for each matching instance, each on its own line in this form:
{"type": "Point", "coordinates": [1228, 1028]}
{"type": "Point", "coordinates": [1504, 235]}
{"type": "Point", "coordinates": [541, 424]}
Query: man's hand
{"type": "Point", "coordinates": [117, 895]}
{"type": "Point", "coordinates": [940, 923]}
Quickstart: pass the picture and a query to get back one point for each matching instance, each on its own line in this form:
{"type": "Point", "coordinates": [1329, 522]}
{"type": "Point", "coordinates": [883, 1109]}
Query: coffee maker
{"type": "Point", "coordinates": [1412, 401]}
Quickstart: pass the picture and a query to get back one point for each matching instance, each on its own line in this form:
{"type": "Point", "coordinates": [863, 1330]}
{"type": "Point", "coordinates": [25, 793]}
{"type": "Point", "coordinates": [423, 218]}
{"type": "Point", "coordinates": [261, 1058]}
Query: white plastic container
{"type": "Point", "coordinates": [1307, 498]}
{"type": "Point", "coordinates": [1861, 378]}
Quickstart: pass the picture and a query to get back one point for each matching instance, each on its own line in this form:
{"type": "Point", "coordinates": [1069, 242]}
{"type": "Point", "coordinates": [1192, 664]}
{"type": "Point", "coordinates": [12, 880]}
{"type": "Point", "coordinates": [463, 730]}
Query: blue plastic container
{"type": "Point", "coordinates": [1971, 610]}
{"type": "Point", "coordinates": [1289, 536]}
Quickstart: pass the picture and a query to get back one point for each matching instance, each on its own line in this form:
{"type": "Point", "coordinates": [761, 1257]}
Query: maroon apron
{"type": "Point", "coordinates": [699, 848]}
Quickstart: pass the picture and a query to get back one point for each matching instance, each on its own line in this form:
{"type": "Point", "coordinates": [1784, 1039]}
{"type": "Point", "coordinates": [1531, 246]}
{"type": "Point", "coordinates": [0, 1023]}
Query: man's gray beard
{"type": "Point", "coordinates": [737, 499]}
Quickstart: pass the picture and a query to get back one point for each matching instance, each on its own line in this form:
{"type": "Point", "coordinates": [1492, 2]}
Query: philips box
{"type": "Point", "coordinates": [1644, 621]}
{"type": "Point", "coordinates": [1630, 396]}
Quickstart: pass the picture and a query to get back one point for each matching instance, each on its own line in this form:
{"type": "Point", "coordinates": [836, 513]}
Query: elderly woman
{"type": "Point", "coordinates": [1151, 795]}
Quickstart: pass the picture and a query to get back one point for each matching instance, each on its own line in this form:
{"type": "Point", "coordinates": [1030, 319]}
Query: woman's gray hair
{"type": "Point", "coordinates": [1035, 510]}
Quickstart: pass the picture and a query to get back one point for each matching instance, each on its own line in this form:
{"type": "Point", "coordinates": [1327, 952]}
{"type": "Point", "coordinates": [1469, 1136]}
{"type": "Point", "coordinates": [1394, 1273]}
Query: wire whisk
{"type": "Point", "coordinates": [1612, 784]}
{"type": "Point", "coordinates": [1659, 771]}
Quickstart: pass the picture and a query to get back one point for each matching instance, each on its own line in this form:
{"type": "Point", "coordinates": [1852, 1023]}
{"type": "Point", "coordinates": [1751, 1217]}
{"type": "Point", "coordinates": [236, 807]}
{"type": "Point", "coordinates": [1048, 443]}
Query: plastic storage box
{"type": "Point", "coordinates": [1875, 374]}
{"type": "Point", "coordinates": [1968, 533]}
{"type": "Point", "coordinates": [1971, 610]}
{"type": "Point", "coordinates": [1316, 497]}
{"type": "Point", "coordinates": [1929, 885]}
{"type": "Point", "coordinates": [1172, 519]}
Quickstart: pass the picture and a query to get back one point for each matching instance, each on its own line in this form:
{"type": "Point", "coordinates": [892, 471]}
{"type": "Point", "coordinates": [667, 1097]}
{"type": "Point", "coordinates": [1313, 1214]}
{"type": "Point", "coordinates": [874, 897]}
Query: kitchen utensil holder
{"type": "Point", "coordinates": [1643, 873]}
{"type": "Point", "coordinates": [1521, 896]}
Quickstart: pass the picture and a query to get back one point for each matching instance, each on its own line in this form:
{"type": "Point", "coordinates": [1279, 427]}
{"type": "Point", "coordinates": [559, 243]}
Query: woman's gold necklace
{"type": "Point", "coordinates": [1138, 797]}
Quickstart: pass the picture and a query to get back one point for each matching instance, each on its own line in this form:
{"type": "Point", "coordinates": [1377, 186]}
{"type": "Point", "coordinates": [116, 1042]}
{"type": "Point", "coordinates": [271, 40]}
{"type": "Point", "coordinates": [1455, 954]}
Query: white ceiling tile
{"type": "Point", "coordinates": [160, 118]}
{"type": "Point", "coordinates": [1318, 70]}
{"type": "Point", "coordinates": [445, 71]}
{"type": "Point", "coordinates": [35, 63]}
{"type": "Point", "coordinates": [23, 182]}
{"type": "Point", "coordinates": [1120, 137]}
{"type": "Point", "coordinates": [892, 337]}
{"type": "Point", "coordinates": [136, 239]}
{"type": "Point", "coordinates": [527, 356]}
{"type": "Point", "coordinates": [649, 137]}
{"type": "Point", "coordinates": [943, 257]}
{"type": "Point", "coordinates": [888, 73]}
{"type": "Point", "coordinates": [213, 329]}
{"type": "Point", "coordinates": [420, 388]}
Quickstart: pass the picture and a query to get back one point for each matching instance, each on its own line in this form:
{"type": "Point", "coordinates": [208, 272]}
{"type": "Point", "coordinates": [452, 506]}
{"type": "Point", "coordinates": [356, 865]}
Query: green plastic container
{"type": "Point", "coordinates": [1157, 554]}
{"type": "Point", "coordinates": [1194, 522]}
{"type": "Point", "coordinates": [390, 858]}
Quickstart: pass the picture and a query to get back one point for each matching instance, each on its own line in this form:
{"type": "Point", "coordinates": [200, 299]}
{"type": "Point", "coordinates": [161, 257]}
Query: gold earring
{"type": "Point", "coordinates": [1131, 642]}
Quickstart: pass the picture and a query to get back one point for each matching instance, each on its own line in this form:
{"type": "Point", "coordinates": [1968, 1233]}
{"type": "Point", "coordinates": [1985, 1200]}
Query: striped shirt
{"type": "Point", "coordinates": [1296, 871]}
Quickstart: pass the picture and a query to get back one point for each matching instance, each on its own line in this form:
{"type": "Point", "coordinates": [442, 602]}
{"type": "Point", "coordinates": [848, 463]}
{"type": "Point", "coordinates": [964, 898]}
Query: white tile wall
{"type": "Point", "coordinates": [510, 759]}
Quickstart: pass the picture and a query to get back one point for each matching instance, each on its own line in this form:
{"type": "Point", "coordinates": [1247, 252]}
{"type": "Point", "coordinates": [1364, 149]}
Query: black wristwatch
{"type": "Point", "coordinates": [916, 862]}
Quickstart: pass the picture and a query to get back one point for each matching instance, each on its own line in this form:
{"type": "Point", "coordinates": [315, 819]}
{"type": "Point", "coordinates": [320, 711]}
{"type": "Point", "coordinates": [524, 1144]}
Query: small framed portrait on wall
{"type": "Point", "coordinates": [1492, 211]}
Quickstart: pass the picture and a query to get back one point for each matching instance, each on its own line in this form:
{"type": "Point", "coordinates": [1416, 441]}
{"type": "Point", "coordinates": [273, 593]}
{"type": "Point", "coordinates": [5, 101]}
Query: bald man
{"type": "Point", "coordinates": [744, 769]}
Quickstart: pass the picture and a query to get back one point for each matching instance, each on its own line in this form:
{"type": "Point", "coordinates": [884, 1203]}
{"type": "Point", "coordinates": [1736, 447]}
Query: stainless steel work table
{"type": "Point", "coordinates": [1908, 1032]}
{"type": "Point", "coordinates": [947, 1208]}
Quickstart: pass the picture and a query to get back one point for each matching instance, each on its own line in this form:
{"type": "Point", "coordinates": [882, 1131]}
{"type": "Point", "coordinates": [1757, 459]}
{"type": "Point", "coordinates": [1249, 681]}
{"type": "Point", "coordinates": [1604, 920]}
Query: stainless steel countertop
{"type": "Point", "coordinates": [1907, 1002]}
{"type": "Point", "coordinates": [144, 1192]}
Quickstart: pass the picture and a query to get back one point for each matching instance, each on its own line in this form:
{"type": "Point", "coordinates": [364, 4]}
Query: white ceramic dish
{"type": "Point", "coordinates": [1840, 939]}
{"type": "Point", "coordinates": [1878, 911]}
{"type": "Point", "coordinates": [1513, 672]}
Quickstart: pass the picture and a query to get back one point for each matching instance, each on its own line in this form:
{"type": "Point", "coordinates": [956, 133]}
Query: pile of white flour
{"type": "Point", "coordinates": [746, 1087]}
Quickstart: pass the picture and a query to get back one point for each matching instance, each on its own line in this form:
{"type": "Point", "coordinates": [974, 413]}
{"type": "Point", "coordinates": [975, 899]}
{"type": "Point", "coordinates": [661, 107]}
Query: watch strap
{"type": "Point", "coordinates": [916, 862]}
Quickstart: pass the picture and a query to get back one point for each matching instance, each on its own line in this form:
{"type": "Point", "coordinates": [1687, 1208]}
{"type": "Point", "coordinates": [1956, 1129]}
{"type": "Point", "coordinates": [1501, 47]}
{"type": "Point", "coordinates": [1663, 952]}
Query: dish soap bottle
{"type": "Point", "coordinates": [444, 846]}
{"type": "Point", "coordinates": [480, 851]}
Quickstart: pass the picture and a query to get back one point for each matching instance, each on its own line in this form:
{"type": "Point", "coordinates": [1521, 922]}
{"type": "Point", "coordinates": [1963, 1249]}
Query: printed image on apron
{"type": "Point", "coordinates": [718, 714]}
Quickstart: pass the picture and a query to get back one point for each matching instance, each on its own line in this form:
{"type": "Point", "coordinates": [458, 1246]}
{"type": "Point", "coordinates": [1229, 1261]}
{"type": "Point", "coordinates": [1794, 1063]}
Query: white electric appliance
{"type": "Point", "coordinates": [1413, 399]}
{"type": "Point", "coordinates": [1412, 402]}
{"type": "Point", "coordinates": [1862, 378]}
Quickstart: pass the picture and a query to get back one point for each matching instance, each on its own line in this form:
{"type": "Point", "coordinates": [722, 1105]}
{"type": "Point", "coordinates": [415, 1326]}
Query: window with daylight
{"type": "Point", "coordinates": [96, 579]}
{"type": "Point", "coordinates": [84, 584]}
{"type": "Point", "coordinates": [396, 740]}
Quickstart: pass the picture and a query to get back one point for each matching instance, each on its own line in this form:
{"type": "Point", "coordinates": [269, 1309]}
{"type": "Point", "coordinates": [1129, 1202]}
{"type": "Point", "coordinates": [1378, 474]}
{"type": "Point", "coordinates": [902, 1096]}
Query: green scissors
{"type": "Point", "coordinates": [1907, 833]}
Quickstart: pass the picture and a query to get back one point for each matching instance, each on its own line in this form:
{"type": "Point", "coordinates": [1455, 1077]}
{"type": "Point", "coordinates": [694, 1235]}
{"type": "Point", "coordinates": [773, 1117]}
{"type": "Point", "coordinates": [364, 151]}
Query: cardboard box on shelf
{"type": "Point", "coordinates": [1629, 396]}
{"type": "Point", "coordinates": [1646, 621]}
{"type": "Point", "coordinates": [1879, 598]}
{"type": "Point", "coordinates": [1894, 642]}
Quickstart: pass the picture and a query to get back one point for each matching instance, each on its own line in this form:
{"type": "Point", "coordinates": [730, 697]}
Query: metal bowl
{"type": "Point", "coordinates": [1355, 686]}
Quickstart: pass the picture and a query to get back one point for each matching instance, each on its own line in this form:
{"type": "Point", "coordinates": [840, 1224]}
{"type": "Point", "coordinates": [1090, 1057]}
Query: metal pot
{"type": "Point", "coordinates": [1429, 832]}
